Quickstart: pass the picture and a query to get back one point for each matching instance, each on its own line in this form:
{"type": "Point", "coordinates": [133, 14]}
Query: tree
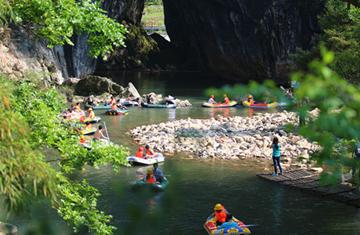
{"type": "Point", "coordinates": [29, 124]}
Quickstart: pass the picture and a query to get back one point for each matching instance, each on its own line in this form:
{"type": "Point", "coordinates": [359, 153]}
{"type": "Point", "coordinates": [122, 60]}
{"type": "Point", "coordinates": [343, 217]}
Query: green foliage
{"type": "Point", "coordinates": [83, 213]}
{"type": "Point", "coordinates": [30, 123]}
{"type": "Point", "coordinates": [58, 21]}
{"type": "Point", "coordinates": [337, 126]}
{"type": "Point", "coordinates": [341, 33]}
{"type": "Point", "coordinates": [6, 12]}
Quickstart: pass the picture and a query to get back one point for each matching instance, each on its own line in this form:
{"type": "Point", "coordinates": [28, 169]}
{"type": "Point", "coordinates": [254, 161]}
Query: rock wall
{"type": "Point", "coordinates": [21, 53]}
{"type": "Point", "coordinates": [242, 39]}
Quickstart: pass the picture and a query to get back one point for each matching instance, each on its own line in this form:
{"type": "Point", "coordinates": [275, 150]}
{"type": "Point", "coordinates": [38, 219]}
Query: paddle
{"type": "Point", "coordinates": [107, 133]}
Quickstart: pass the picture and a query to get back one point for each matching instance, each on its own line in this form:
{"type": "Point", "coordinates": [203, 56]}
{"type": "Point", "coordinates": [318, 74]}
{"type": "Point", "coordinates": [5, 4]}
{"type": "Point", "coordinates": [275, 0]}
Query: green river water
{"type": "Point", "coordinates": [196, 185]}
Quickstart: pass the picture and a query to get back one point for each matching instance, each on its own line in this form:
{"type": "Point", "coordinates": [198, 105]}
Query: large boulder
{"type": "Point", "coordinates": [96, 85]}
{"type": "Point", "coordinates": [131, 91]}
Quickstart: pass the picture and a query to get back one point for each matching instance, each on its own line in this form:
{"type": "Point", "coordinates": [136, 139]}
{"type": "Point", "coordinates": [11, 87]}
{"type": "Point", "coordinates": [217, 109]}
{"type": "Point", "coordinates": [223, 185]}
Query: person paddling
{"type": "Point", "coordinates": [140, 152]}
{"type": "Point", "coordinates": [276, 156]}
{"type": "Point", "coordinates": [99, 135]}
{"type": "Point", "coordinates": [250, 100]}
{"type": "Point", "coordinates": [91, 114]}
{"type": "Point", "coordinates": [212, 100]}
{"type": "Point", "coordinates": [226, 99]}
{"type": "Point", "coordinates": [150, 178]}
{"type": "Point", "coordinates": [220, 214]}
{"type": "Point", "coordinates": [230, 224]}
{"type": "Point", "coordinates": [159, 175]}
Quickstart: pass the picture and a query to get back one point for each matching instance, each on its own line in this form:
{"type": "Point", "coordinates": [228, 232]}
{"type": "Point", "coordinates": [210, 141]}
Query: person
{"type": "Point", "coordinates": [91, 114]}
{"type": "Point", "coordinates": [82, 139]}
{"type": "Point", "coordinates": [159, 176]}
{"type": "Point", "coordinates": [140, 152]}
{"type": "Point", "coordinates": [220, 214]}
{"type": "Point", "coordinates": [229, 224]}
{"type": "Point", "coordinates": [78, 107]}
{"type": "Point", "coordinates": [112, 100]}
{"type": "Point", "coordinates": [114, 106]}
{"type": "Point", "coordinates": [250, 100]}
{"type": "Point", "coordinates": [276, 156]}
{"type": "Point", "coordinates": [226, 99]}
{"type": "Point", "coordinates": [88, 126]}
{"type": "Point", "coordinates": [148, 151]}
{"type": "Point", "coordinates": [170, 100]}
{"type": "Point", "coordinates": [212, 100]}
{"type": "Point", "coordinates": [150, 179]}
{"type": "Point", "coordinates": [99, 133]}
{"type": "Point", "coordinates": [356, 155]}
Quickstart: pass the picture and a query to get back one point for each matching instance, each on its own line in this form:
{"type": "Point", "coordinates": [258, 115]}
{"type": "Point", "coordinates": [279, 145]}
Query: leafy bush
{"type": "Point", "coordinates": [30, 123]}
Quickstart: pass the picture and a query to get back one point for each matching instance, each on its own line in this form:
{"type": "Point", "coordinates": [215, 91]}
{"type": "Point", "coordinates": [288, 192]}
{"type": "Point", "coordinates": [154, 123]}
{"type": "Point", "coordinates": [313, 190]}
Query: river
{"type": "Point", "coordinates": [196, 185]}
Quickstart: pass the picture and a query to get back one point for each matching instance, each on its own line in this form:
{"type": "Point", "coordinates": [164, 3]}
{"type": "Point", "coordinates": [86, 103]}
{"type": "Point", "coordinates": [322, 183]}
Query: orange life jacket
{"type": "Point", "coordinates": [150, 180]}
{"type": "Point", "coordinates": [220, 216]}
{"type": "Point", "coordinates": [139, 154]}
{"type": "Point", "coordinates": [82, 140]}
{"type": "Point", "coordinates": [114, 107]}
{"type": "Point", "coordinates": [82, 119]}
{"type": "Point", "coordinates": [227, 100]}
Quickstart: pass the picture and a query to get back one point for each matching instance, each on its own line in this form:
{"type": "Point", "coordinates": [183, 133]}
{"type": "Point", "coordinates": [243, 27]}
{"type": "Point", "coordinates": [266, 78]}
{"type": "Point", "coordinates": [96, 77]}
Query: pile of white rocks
{"type": "Point", "coordinates": [227, 138]}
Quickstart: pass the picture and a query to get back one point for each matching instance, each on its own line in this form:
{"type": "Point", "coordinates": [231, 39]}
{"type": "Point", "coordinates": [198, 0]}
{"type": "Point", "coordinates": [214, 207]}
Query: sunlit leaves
{"type": "Point", "coordinates": [59, 21]}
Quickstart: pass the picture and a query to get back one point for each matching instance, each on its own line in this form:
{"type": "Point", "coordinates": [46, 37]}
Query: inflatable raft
{"type": "Point", "coordinates": [101, 107]}
{"type": "Point", "coordinates": [90, 131]}
{"type": "Point", "coordinates": [116, 112]}
{"type": "Point", "coordinates": [146, 161]}
{"type": "Point", "coordinates": [212, 229]}
{"type": "Point", "coordinates": [159, 106]}
{"type": "Point", "coordinates": [261, 105]}
{"type": "Point", "coordinates": [157, 187]}
{"type": "Point", "coordinates": [92, 121]}
{"type": "Point", "coordinates": [220, 105]}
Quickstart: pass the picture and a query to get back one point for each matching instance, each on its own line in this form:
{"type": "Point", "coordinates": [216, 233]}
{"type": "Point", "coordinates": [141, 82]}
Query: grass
{"type": "Point", "coordinates": [153, 15]}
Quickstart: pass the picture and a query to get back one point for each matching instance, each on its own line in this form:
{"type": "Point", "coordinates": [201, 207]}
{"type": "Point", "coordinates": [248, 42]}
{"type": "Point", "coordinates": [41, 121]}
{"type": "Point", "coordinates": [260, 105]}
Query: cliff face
{"type": "Point", "coordinates": [242, 39]}
{"type": "Point", "coordinates": [78, 61]}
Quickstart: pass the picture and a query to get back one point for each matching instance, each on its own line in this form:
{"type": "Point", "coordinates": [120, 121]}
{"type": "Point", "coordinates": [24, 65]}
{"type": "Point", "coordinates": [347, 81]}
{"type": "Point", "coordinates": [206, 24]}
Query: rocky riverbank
{"type": "Point", "coordinates": [228, 138]}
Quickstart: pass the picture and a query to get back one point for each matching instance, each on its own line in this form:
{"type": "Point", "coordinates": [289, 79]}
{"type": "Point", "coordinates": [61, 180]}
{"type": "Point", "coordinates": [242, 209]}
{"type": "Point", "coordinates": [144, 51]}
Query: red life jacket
{"type": "Point", "coordinates": [139, 154]}
{"type": "Point", "coordinates": [150, 180]}
{"type": "Point", "coordinates": [220, 216]}
{"type": "Point", "coordinates": [227, 100]}
{"type": "Point", "coordinates": [82, 119]}
{"type": "Point", "coordinates": [148, 152]}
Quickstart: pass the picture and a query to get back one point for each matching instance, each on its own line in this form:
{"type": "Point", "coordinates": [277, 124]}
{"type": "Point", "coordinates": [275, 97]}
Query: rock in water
{"type": "Point", "coordinates": [96, 85]}
{"type": "Point", "coordinates": [131, 91]}
{"type": "Point", "coordinates": [242, 38]}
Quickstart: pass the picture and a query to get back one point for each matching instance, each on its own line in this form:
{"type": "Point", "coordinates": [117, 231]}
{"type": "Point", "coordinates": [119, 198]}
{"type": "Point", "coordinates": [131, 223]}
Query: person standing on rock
{"type": "Point", "coordinates": [276, 156]}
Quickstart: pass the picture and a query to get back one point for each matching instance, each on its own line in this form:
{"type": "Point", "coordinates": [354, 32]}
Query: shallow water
{"type": "Point", "coordinates": [196, 185]}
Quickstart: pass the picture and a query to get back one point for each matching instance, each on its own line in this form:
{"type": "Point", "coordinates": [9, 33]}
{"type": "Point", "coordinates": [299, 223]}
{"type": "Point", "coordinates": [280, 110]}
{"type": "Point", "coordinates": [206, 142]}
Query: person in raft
{"type": "Point", "coordinates": [77, 107]}
{"type": "Point", "coordinates": [88, 126]}
{"type": "Point", "coordinates": [150, 178]}
{"type": "Point", "coordinates": [226, 99]}
{"type": "Point", "coordinates": [99, 135]}
{"type": "Point", "coordinates": [212, 100]}
{"type": "Point", "coordinates": [149, 152]}
{"type": "Point", "coordinates": [140, 152]}
{"type": "Point", "coordinates": [276, 156]}
{"type": "Point", "coordinates": [159, 175]}
{"type": "Point", "coordinates": [230, 224]}
{"type": "Point", "coordinates": [91, 114]}
{"type": "Point", "coordinates": [112, 100]}
{"type": "Point", "coordinates": [250, 99]}
{"type": "Point", "coordinates": [114, 106]}
{"type": "Point", "coordinates": [220, 214]}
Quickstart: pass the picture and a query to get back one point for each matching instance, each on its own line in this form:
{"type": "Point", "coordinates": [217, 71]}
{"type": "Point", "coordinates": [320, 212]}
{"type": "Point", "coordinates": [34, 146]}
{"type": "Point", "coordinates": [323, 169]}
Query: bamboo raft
{"type": "Point", "coordinates": [310, 181]}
